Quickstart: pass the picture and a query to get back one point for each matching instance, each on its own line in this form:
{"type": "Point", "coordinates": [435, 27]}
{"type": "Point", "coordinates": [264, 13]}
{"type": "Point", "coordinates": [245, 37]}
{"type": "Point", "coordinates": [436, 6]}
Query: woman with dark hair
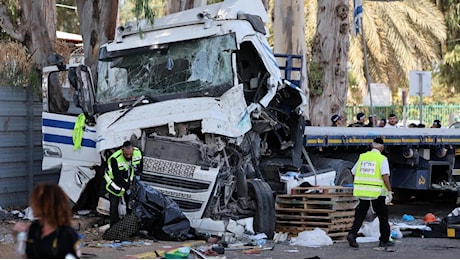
{"type": "Point", "coordinates": [51, 234]}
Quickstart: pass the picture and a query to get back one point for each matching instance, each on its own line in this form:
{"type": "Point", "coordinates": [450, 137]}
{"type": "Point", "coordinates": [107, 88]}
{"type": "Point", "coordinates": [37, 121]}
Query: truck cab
{"type": "Point", "coordinates": [201, 94]}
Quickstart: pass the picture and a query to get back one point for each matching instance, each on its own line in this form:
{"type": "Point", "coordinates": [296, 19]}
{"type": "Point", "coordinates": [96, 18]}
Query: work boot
{"type": "Point", "coordinates": [386, 244]}
{"type": "Point", "coordinates": [352, 240]}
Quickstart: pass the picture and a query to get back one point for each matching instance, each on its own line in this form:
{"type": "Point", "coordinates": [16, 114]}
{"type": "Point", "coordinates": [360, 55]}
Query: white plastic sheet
{"type": "Point", "coordinates": [313, 238]}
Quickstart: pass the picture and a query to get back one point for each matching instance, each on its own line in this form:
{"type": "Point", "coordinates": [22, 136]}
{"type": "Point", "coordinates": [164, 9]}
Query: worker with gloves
{"type": "Point", "coordinates": [372, 185]}
{"type": "Point", "coordinates": [122, 166]}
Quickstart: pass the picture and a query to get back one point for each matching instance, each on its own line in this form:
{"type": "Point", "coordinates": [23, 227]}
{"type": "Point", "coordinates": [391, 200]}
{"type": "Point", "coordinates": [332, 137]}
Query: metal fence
{"type": "Point", "coordinates": [20, 146]}
{"type": "Point", "coordinates": [445, 113]}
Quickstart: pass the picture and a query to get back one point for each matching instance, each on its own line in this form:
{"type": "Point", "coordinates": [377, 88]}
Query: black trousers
{"type": "Point", "coordinates": [114, 201]}
{"type": "Point", "coordinates": [380, 209]}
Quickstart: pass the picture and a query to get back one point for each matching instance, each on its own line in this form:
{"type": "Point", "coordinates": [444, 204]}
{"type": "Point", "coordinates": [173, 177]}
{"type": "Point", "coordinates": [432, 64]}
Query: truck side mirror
{"type": "Point", "coordinates": [58, 60]}
{"type": "Point", "coordinates": [72, 76]}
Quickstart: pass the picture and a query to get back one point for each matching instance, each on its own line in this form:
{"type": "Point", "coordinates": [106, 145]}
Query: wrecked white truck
{"type": "Point", "coordinates": [201, 94]}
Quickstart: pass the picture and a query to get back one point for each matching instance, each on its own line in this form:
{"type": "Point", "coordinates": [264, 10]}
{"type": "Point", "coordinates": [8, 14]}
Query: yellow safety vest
{"type": "Point", "coordinates": [368, 181]}
{"type": "Point", "coordinates": [123, 165]}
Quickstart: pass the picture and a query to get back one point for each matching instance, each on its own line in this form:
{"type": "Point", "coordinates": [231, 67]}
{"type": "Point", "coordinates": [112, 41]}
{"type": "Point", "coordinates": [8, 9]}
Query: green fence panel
{"type": "Point", "coordinates": [447, 114]}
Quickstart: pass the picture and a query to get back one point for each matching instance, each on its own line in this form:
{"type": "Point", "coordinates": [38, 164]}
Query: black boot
{"type": "Point", "coordinates": [352, 240]}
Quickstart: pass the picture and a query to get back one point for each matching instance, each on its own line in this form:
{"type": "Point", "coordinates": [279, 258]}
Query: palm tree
{"type": "Point", "coordinates": [400, 36]}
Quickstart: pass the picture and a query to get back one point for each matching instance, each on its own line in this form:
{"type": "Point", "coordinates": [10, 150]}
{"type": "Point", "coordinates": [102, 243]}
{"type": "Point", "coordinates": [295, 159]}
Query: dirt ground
{"type": "Point", "coordinates": [93, 246]}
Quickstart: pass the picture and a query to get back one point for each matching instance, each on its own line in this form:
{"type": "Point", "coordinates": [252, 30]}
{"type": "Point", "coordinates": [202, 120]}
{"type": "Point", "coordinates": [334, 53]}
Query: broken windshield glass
{"type": "Point", "coordinates": [180, 67]}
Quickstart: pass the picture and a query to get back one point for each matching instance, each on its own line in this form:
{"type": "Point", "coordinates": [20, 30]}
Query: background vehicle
{"type": "Point", "coordinates": [201, 93]}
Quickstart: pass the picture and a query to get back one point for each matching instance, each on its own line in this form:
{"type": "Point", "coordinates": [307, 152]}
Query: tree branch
{"type": "Point", "coordinates": [16, 32]}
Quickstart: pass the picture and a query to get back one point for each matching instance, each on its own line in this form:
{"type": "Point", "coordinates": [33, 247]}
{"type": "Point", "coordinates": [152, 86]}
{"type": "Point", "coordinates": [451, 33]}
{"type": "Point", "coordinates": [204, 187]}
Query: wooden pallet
{"type": "Point", "coordinates": [323, 191]}
{"type": "Point", "coordinates": [330, 208]}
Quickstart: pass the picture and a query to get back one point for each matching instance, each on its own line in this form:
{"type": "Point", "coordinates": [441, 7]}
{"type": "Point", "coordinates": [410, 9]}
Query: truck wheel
{"type": "Point", "coordinates": [264, 217]}
{"type": "Point", "coordinates": [343, 172]}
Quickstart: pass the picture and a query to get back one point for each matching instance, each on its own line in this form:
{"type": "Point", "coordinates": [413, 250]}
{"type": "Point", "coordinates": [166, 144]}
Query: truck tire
{"type": "Point", "coordinates": [264, 216]}
{"type": "Point", "coordinates": [343, 172]}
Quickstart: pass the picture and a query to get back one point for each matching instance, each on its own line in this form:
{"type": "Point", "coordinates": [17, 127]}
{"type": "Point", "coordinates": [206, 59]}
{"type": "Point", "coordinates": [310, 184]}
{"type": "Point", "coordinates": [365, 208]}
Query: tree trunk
{"type": "Point", "coordinates": [330, 55]}
{"type": "Point", "coordinates": [266, 4]}
{"type": "Point", "coordinates": [38, 41]}
{"type": "Point", "coordinates": [98, 22]}
{"type": "Point", "coordinates": [174, 6]}
{"type": "Point", "coordinates": [49, 17]}
{"type": "Point", "coordinates": [289, 37]}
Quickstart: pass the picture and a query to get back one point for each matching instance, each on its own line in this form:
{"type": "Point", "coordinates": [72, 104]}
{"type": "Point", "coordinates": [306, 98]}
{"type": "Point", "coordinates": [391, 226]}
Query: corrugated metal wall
{"type": "Point", "coordinates": [20, 147]}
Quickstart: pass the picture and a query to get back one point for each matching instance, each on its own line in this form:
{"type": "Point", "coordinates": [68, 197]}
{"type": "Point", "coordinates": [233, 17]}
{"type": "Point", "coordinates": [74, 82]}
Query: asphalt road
{"type": "Point", "coordinates": [405, 248]}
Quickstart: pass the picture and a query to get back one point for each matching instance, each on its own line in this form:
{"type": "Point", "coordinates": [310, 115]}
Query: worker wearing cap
{"type": "Point", "coordinates": [336, 120]}
{"type": "Point", "coordinates": [360, 117]}
{"type": "Point", "coordinates": [373, 121]}
{"type": "Point", "coordinates": [372, 185]}
{"type": "Point", "coordinates": [436, 124]}
{"type": "Point", "coordinates": [122, 165]}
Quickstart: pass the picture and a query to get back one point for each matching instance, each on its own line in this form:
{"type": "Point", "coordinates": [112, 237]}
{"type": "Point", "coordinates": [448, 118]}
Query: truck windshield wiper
{"type": "Point", "coordinates": [129, 109]}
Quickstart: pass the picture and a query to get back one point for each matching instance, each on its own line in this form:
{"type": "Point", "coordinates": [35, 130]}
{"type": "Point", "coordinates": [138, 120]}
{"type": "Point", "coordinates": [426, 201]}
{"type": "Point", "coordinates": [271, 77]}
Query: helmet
{"type": "Point", "coordinates": [429, 217]}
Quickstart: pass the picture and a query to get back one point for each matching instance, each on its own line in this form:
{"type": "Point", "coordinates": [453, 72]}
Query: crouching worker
{"type": "Point", "coordinates": [122, 166]}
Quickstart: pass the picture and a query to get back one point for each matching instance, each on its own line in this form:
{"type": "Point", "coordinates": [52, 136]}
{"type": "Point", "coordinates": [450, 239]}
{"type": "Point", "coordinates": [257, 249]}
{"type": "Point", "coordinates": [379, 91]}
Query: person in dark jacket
{"type": "Point", "coordinates": [336, 120]}
{"type": "Point", "coordinates": [51, 235]}
{"type": "Point", "coordinates": [360, 117]}
{"type": "Point", "coordinates": [122, 166]}
{"type": "Point", "coordinates": [436, 124]}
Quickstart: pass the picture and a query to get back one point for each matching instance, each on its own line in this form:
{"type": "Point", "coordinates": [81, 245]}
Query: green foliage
{"type": "Point", "coordinates": [11, 76]}
{"type": "Point", "coordinates": [67, 16]}
{"type": "Point", "coordinates": [34, 79]}
{"type": "Point", "coordinates": [13, 13]}
{"type": "Point", "coordinates": [449, 74]}
{"type": "Point", "coordinates": [315, 79]}
{"type": "Point", "coordinates": [143, 9]}
{"type": "Point", "coordinates": [132, 10]}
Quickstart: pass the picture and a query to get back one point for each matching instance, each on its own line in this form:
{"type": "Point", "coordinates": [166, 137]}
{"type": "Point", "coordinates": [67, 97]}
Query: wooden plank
{"type": "Point", "coordinates": [347, 205]}
{"type": "Point", "coordinates": [315, 218]}
{"type": "Point", "coordinates": [325, 225]}
{"type": "Point", "coordinates": [307, 197]}
{"type": "Point", "coordinates": [314, 213]}
{"type": "Point", "coordinates": [323, 190]}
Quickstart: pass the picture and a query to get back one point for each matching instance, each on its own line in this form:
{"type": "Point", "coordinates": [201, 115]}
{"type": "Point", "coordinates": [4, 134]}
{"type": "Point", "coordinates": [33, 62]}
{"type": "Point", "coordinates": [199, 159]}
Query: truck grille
{"type": "Point", "coordinates": [174, 183]}
{"type": "Point", "coordinates": [169, 167]}
{"type": "Point", "coordinates": [189, 185]}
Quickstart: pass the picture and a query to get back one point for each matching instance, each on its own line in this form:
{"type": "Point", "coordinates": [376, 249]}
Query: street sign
{"type": "Point", "coordinates": [420, 83]}
{"type": "Point", "coordinates": [381, 95]}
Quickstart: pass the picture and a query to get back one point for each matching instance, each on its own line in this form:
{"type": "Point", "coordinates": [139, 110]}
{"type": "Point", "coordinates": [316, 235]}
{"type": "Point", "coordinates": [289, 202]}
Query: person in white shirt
{"type": "Point", "coordinates": [392, 121]}
{"type": "Point", "coordinates": [371, 185]}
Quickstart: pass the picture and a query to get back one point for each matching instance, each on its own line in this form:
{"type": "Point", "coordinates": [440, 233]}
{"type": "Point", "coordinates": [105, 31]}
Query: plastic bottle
{"type": "Point", "coordinates": [21, 243]}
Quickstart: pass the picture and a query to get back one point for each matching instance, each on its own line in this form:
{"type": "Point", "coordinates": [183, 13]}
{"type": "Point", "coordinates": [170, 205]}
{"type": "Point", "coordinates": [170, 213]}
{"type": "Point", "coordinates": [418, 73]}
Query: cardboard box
{"type": "Point", "coordinates": [453, 231]}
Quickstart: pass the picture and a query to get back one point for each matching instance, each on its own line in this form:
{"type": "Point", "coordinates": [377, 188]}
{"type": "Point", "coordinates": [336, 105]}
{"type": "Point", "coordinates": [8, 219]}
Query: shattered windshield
{"type": "Point", "coordinates": [180, 67]}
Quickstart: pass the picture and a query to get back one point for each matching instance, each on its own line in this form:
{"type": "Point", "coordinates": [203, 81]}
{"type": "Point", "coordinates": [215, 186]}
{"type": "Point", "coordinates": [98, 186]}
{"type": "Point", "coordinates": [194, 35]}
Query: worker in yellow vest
{"type": "Point", "coordinates": [372, 185]}
{"type": "Point", "coordinates": [122, 166]}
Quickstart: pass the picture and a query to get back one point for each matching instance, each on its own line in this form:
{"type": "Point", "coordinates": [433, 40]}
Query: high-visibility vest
{"type": "Point", "coordinates": [123, 165]}
{"type": "Point", "coordinates": [368, 181]}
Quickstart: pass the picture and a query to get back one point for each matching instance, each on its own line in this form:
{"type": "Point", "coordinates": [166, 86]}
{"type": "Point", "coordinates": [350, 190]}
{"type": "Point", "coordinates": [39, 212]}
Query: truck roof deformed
{"type": "Point", "coordinates": [201, 93]}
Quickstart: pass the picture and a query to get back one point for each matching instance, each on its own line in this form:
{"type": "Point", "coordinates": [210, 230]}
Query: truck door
{"type": "Point", "coordinates": [68, 134]}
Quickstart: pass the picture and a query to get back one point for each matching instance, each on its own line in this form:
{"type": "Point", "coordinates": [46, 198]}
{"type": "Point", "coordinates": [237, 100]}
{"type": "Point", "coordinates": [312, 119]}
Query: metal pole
{"type": "Point", "coordinates": [367, 72]}
{"type": "Point", "coordinates": [420, 94]}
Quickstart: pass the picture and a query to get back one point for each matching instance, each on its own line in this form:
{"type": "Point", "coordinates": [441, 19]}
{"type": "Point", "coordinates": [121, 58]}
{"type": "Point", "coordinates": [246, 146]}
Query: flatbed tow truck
{"type": "Point", "coordinates": [421, 159]}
